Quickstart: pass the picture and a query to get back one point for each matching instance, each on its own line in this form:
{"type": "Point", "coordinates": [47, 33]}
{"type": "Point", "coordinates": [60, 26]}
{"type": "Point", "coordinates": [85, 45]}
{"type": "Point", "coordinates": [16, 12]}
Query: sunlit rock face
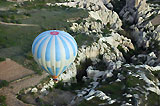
{"type": "Point", "coordinates": [98, 11]}
{"type": "Point", "coordinates": [107, 47]}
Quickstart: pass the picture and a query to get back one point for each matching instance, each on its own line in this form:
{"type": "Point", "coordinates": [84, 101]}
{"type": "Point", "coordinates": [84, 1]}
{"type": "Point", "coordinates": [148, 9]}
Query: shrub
{"type": "Point", "coordinates": [3, 83]}
{"type": "Point", "coordinates": [118, 5]}
{"type": "Point", "coordinates": [2, 59]}
{"type": "Point", "coordinates": [2, 100]}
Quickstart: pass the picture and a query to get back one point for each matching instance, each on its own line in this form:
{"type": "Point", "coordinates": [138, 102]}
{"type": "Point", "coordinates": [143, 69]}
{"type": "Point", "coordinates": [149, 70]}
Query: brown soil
{"type": "Point", "coordinates": [10, 70]}
{"type": "Point", "coordinates": [20, 77]}
{"type": "Point", "coordinates": [156, 20]}
{"type": "Point", "coordinates": [14, 87]}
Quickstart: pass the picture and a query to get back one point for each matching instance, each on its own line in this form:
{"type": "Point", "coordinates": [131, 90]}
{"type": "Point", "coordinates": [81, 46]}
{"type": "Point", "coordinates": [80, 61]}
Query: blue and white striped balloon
{"type": "Point", "coordinates": [54, 51]}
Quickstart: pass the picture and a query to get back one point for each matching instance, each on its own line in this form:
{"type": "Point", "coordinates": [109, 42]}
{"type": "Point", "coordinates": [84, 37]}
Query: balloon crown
{"type": "Point", "coordinates": [54, 33]}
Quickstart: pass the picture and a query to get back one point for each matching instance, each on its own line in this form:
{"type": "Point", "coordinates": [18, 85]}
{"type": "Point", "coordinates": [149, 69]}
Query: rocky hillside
{"type": "Point", "coordinates": [118, 61]}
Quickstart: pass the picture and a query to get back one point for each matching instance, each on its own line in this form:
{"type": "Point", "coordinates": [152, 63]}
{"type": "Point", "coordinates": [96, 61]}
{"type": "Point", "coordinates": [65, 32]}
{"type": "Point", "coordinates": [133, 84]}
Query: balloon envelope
{"type": "Point", "coordinates": [54, 51]}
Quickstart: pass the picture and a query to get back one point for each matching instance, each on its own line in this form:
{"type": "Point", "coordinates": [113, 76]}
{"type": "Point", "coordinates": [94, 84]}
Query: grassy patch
{"type": "Point", "coordinates": [72, 87]}
{"type": "Point", "coordinates": [5, 3]}
{"type": "Point", "coordinates": [132, 81]}
{"type": "Point", "coordinates": [2, 100]}
{"type": "Point", "coordinates": [115, 89]}
{"type": "Point", "coordinates": [106, 31]}
{"type": "Point", "coordinates": [156, 74]}
{"type": "Point", "coordinates": [153, 99]}
{"type": "Point", "coordinates": [93, 102]}
{"type": "Point", "coordinates": [3, 83]}
{"type": "Point", "coordinates": [153, 2]}
{"type": "Point", "coordinates": [83, 39]}
{"type": "Point", "coordinates": [2, 59]}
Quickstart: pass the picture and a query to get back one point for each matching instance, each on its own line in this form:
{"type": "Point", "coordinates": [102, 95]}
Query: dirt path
{"type": "Point", "coordinates": [14, 87]}
{"type": "Point", "coordinates": [4, 23]}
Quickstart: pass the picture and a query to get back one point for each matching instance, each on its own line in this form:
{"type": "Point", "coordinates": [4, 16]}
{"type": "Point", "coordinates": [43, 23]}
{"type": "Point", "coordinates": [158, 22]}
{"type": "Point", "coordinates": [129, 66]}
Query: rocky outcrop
{"type": "Point", "coordinates": [98, 11]}
{"type": "Point", "coordinates": [135, 85]}
{"type": "Point", "coordinates": [133, 10]}
{"type": "Point", "coordinates": [88, 26]}
{"type": "Point", "coordinates": [136, 15]}
{"type": "Point", "coordinates": [150, 59]}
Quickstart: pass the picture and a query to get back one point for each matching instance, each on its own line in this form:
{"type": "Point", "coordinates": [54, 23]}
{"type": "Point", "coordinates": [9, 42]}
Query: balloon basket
{"type": "Point", "coordinates": [55, 79]}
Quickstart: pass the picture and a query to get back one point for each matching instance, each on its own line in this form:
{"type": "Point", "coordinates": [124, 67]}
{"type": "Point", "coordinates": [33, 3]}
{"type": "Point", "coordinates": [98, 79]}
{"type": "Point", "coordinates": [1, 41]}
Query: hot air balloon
{"type": "Point", "coordinates": [54, 51]}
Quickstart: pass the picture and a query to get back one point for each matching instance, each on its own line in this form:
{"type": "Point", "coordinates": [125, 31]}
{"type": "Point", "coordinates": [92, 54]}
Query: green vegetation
{"type": "Point", "coordinates": [132, 81]}
{"type": "Point", "coordinates": [2, 59]}
{"type": "Point", "coordinates": [153, 99]}
{"type": "Point", "coordinates": [101, 66]}
{"type": "Point", "coordinates": [93, 102]}
{"type": "Point", "coordinates": [125, 33]}
{"type": "Point", "coordinates": [5, 3]}
{"type": "Point", "coordinates": [106, 31]}
{"type": "Point", "coordinates": [3, 83]}
{"type": "Point", "coordinates": [2, 100]}
{"type": "Point", "coordinates": [73, 86]}
{"type": "Point", "coordinates": [12, 16]}
{"type": "Point", "coordinates": [153, 2]}
{"type": "Point", "coordinates": [83, 39]}
{"type": "Point", "coordinates": [115, 89]}
{"type": "Point", "coordinates": [81, 69]}
{"type": "Point", "coordinates": [154, 45]}
{"type": "Point", "coordinates": [118, 5]}
{"type": "Point", "coordinates": [127, 55]}
{"type": "Point", "coordinates": [156, 74]}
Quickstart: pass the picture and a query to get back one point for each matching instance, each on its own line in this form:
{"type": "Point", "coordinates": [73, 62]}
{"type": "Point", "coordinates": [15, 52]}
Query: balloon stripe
{"type": "Point", "coordinates": [67, 52]}
{"type": "Point", "coordinates": [40, 35]}
{"type": "Point", "coordinates": [40, 48]}
{"type": "Point", "coordinates": [53, 61]}
{"type": "Point", "coordinates": [37, 46]}
{"type": "Point", "coordinates": [43, 53]}
{"type": "Point", "coordinates": [57, 49]}
{"type": "Point", "coordinates": [35, 43]}
{"type": "Point", "coordinates": [69, 36]}
{"type": "Point", "coordinates": [64, 68]}
{"type": "Point", "coordinates": [44, 69]}
{"type": "Point", "coordinates": [61, 63]}
{"type": "Point", "coordinates": [48, 50]}
{"type": "Point", "coordinates": [69, 46]}
{"type": "Point", "coordinates": [71, 39]}
{"type": "Point", "coordinates": [73, 47]}
{"type": "Point", "coordinates": [50, 70]}
{"type": "Point", "coordinates": [57, 71]}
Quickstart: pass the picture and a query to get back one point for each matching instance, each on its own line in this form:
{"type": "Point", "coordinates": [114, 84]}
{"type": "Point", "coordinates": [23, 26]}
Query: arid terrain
{"type": "Point", "coordinates": [20, 78]}
{"type": "Point", "coordinates": [10, 70]}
